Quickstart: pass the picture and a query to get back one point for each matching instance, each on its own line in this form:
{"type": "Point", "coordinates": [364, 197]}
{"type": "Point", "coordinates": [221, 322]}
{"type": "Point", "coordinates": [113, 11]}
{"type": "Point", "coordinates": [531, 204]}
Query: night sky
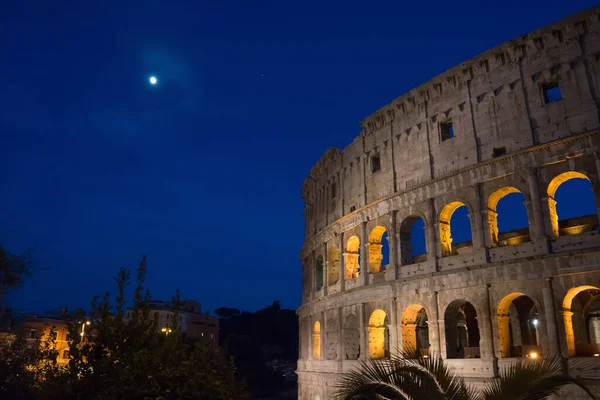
{"type": "Point", "coordinates": [202, 172]}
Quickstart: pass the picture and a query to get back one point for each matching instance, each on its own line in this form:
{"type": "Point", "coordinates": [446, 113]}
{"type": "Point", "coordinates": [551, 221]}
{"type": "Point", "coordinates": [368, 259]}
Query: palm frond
{"type": "Point", "coordinates": [535, 380]}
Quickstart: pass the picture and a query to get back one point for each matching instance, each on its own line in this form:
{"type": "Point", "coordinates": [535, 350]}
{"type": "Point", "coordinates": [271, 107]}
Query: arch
{"type": "Point", "coordinates": [352, 256]}
{"type": "Point", "coordinates": [415, 329]}
{"type": "Point", "coordinates": [319, 273]}
{"type": "Point", "coordinates": [579, 226]}
{"type": "Point", "coordinates": [378, 335]}
{"type": "Point", "coordinates": [376, 247]}
{"type": "Point", "coordinates": [518, 326]}
{"type": "Point", "coordinates": [411, 239]}
{"type": "Point", "coordinates": [579, 304]}
{"type": "Point", "coordinates": [445, 231]}
{"type": "Point", "coordinates": [462, 330]}
{"type": "Point", "coordinates": [317, 340]}
{"type": "Point", "coordinates": [351, 337]}
{"type": "Point", "coordinates": [333, 266]}
{"type": "Point", "coordinates": [511, 237]}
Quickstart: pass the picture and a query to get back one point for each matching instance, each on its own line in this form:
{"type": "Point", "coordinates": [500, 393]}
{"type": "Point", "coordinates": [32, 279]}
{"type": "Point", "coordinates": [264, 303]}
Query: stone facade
{"type": "Point", "coordinates": [522, 117]}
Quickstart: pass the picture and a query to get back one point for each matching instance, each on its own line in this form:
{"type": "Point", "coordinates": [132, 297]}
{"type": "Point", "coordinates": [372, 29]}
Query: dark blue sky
{"type": "Point", "coordinates": [203, 172]}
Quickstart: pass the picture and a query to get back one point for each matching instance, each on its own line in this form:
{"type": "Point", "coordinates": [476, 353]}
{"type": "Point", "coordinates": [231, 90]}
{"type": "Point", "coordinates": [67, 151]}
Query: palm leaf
{"type": "Point", "coordinates": [535, 380]}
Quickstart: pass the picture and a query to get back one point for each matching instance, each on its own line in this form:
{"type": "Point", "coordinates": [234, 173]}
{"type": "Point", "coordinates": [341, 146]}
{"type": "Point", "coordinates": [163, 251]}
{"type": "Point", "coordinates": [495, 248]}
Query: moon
{"type": "Point", "coordinates": [153, 80]}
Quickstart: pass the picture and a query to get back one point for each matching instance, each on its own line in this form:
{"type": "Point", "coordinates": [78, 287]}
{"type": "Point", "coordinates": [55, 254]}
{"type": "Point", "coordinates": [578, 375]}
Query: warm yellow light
{"type": "Point", "coordinates": [163, 330]}
{"type": "Point", "coordinates": [88, 323]}
{"type": "Point", "coordinates": [533, 354]}
{"type": "Point", "coordinates": [425, 356]}
{"type": "Point", "coordinates": [596, 355]}
{"type": "Point", "coordinates": [81, 334]}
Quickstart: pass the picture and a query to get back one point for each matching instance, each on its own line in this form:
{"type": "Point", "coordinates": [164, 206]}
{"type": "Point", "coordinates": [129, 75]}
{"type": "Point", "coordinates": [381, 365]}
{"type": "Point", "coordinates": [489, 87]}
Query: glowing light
{"type": "Point", "coordinates": [81, 334]}
{"type": "Point", "coordinates": [533, 355]}
{"type": "Point", "coordinates": [596, 354]}
{"type": "Point", "coordinates": [153, 80]}
{"type": "Point", "coordinates": [88, 323]}
{"type": "Point", "coordinates": [535, 322]}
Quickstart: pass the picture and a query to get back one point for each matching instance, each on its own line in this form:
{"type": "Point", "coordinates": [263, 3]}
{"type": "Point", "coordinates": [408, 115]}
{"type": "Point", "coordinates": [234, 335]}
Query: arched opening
{"type": "Point", "coordinates": [351, 338]}
{"type": "Point", "coordinates": [581, 315]}
{"type": "Point", "coordinates": [317, 340]}
{"type": "Point", "coordinates": [462, 330]}
{"type": "Point", "coordinates": [412, 241]}
{"type": "Point", "coordinates": [415, 329]}
{"type": "Point", "coordinates": [571, 204]}
{"type": "Point", "coordinates": [331, 339]}
{"type": "Point", "coordinates": [507, 217]}
{"type": "Point", "coordinates": [319, 273]}
{"type": "Point", "coordinates": [352, 257]}
{"type": "Point", "coordinates": [378, 335]}
{"type": "Point", "coordinates": [333, 266]}
{"type": "Point", "coordinates": [518, 326]}
{"type": "Point", "coordinates": [378, 249]}
{"type": "Point", "coordinates": [457, 239]}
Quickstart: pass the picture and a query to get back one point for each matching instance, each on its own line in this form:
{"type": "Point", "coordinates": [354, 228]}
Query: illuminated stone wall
{"type": "Point", "coordinates": [490, 127]}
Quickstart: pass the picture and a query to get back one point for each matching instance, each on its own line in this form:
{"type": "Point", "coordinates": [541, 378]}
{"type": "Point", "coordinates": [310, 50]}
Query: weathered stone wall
{"type": "Point", "coordinates": [508, 137]}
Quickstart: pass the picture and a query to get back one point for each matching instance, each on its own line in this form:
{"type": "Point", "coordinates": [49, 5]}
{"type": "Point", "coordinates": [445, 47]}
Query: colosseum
{"type": "Point", "coordinates": [522, 119]}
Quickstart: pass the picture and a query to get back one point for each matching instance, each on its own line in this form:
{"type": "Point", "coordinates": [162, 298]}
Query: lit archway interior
{"type": "Point", "coordinates": [510, 227]}
{"type": "Point", "coordinates": [333, 266]}
{"type": "Point", "coordinates": [579, 211]}
{"type": "Point", "coordinates": [581, 316]}
{"type": "Point", "coordinates": [462, 330]}
{"type": "Point", "coordinates": [415, 329]}
{"type": "Point", "coordinates": [351, 338]}
{"type": "Point", "coordinates": [317, 340]}
{"type": "Point", "coordinates": [461, 226]}
{"type": "Point", "coordinates": [518, 326]}
{"type": "Point", "coordinates": [412, 241]}
{"type": "Point", "coordinates": [319, 273]}
{"type": "Point", "coordinates": [352, 257]}
{"type": "Point", "coordinates": [378, 335]}
{"type": "Point", "coordinates": [378, 249]}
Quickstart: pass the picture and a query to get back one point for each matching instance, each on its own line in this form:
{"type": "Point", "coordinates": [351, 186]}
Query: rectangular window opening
{"type": "Point", "coordinates": [499, 151]}
{"type": "Point", "coordinates": [552, 93]}
{"type": "Point", "coordinates": [375, 163]}
{"type": "Point", "coordinates": [447, 130]}
{"type": "Point", "coordinates": [333, 190]}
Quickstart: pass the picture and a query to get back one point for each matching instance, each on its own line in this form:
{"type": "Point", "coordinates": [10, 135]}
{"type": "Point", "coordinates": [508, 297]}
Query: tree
{"type": "Point", "coordinates": [115, 357]}
{"type": "Point", "coordinates": [412, 377]}
{"type": "Point", "coordinates": [13, 268]}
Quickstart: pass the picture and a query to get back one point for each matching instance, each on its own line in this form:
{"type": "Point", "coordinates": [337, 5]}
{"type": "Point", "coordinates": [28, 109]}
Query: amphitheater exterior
{"type": "Point", "coordinates": [523, 117]}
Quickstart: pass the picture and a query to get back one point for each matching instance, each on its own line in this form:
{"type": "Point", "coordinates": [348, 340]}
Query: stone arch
{"type": "Point", "coordinates": [577, 228]}
{"type": "Point", "coordinates": [407, 236]}
{"type": "Point", "coordinates": [445, 230]}
{"type": "Point", "coordinates": [516, 237]}
{"type": "Point", "coordinates": [415, 329]}
{"type": "Point", "coordinates": [378, 335]}
{"type": "Point", "coordinates": [352, 256]}
{"type": "Point", "coordinates": [319, 273]}
{"type": "Point", "coordinates": [462, 330]}
{"type": "Point", "coordinates": [518, 326]}
{"type": "Point", "coordinates": [333, 266]}
{"type": "Point", "coordinates": [582, 332]}
{"type": "Point", "coordinates": [351, 337]}
{"type": "Point", "coordinates": [376, 244]}
{"type": "Point", "coordinates": [317, 340]}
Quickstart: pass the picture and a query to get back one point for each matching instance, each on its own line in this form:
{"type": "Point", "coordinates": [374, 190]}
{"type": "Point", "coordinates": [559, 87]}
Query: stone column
{"type": "Point", "coordinates": [433, 325]}
{"type": "Point", "coordinates": [342, 261]}
{"type": "Point", "coordinates": [393, 242]}
{"type": "Point", "coordinates": [486, 338]}
{"type": "Point", "coordinates": [363, 278]}
{"type": "Point", "coordinates": [476, 221]}
{"type": "Point", "coordinates": [325, 270]}
{"type": "Point", "coordinates": [340, 344]}
{"type": "Point", "coordinates": [550, 314]}
{"type": "Point", "coordinates": [433, 247]}
{"type": "Point", "coordinates": [537, 230]}
{"type": "Point", "coordinates": [594, 186]}
{"type": "Point", "coordinates": [364, 333]}
{"type": "Point", "coordinates": [393, 328]}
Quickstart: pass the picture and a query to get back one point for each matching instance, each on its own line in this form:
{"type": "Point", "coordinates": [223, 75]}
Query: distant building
{"type": "Point", "coordinates": [40, 328]}
{"type": "Point", "coordinates": [191, 321]}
